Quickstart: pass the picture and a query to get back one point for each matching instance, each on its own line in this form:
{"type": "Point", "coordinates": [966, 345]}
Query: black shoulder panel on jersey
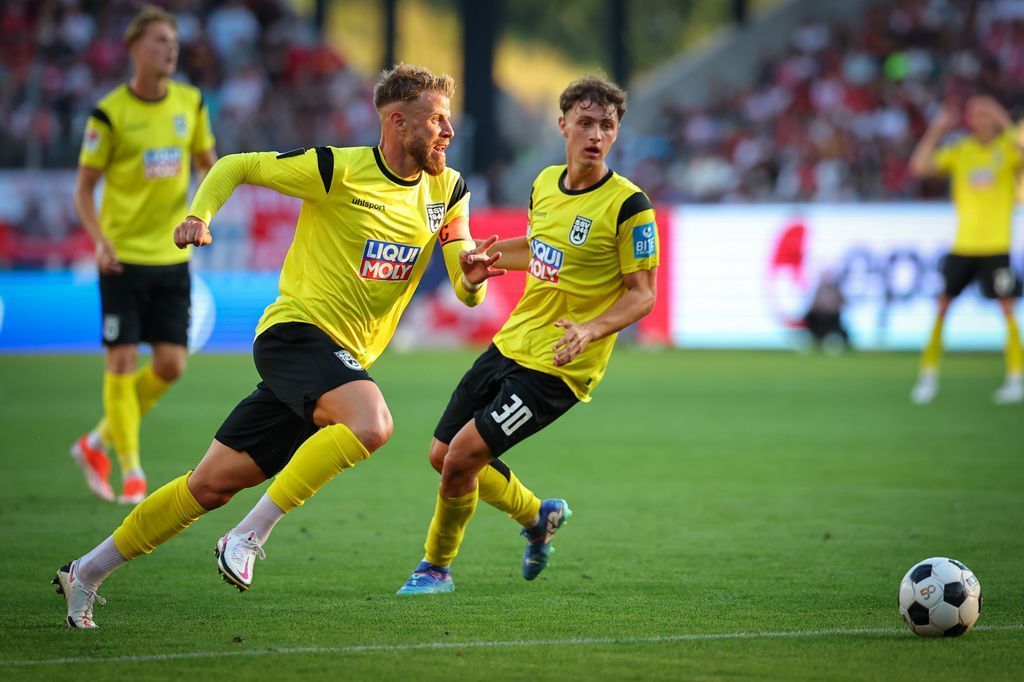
{"type": "Point", "coordinates": [202, 101]}
{"type": "Point", "coordinates": [298, 151]}
{"type": "Point", "coordinates": [101, 116]}
{"type": "Point", "coordinates": [325, 161]}
{"type": "Point", "coordinates": [457, 193]}
{"type": "Point", "coordinates": [531, 205]}
{"type": "Point", "coordinates": [636, 203]}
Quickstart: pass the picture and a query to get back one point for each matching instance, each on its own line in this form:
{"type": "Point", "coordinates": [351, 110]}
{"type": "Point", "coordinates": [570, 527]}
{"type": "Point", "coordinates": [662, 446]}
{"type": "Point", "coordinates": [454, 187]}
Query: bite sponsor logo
{"type": "Point", "coordinates": [546, 261]}
{"type": "Point", "coordinates": [644, 243]}
{"type": "Point", "coordinates": [388, 261]}
{"type": "Point", "coordinates": [162, 162]}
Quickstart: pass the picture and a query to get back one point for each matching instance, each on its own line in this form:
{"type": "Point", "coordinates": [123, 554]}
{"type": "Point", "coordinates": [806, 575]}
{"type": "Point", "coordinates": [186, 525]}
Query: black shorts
{"type": "Point", "coordinates": [993, 274]}
{"type": "Point", "coordinates": [146, 303]}
{"type": "Point", "coordinates": [508, 401]}
{"type": "Point", "coordinates": [298, 363]}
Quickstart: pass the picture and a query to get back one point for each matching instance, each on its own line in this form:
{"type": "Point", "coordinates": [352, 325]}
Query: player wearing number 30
{"type": "Point", "coordinates": [591, 254]}
{"type": "Point", "coordinates": [369, 219]}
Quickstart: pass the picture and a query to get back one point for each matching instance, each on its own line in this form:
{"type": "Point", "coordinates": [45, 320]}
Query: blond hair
{"type": "Point", "coordinates": [406, 82]}
{"type": "Point", "coordinates": [148, 14]}
{"type": "Point", "coordinates": [593, 90]}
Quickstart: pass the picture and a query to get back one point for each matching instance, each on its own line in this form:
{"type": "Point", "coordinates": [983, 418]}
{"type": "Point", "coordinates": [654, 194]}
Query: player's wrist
{"type": "Point", "coordinates": [470, 286]}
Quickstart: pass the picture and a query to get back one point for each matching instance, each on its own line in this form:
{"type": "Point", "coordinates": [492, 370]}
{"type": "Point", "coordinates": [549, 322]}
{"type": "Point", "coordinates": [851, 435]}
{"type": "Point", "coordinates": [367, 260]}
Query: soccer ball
{"type": "Point", "coordinates": [940, 597]}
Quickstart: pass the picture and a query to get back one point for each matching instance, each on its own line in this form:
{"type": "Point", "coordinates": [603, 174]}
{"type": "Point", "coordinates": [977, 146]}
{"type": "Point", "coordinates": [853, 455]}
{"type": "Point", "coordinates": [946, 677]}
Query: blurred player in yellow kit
{"type": "Point", "coordinates": [983, 168]}
{"type": "Point", "coordinates": [141, 139]}
{"type": "Point", "coordinates": [370, 217]}
{"type": "Point", "coordinates": [591, 254]}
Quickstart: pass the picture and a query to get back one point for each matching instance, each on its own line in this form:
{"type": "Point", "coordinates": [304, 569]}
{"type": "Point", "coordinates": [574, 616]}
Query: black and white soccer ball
{"type": "Point", "coordinates": [940, 597]}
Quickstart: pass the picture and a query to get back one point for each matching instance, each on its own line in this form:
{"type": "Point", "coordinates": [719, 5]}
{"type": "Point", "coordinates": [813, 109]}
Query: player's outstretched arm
{"type": "Point", "coordinates": [515, 253]}
{"type": "Point", "coordinates": [922, 161]}
{"type": "Point", "coordinates": [468, 263]}
{"type": "Point", "coordinates": [636, 302]}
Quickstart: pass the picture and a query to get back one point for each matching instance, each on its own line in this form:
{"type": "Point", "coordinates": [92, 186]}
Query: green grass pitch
{"type": "Point", "coordinates": [737, 516]}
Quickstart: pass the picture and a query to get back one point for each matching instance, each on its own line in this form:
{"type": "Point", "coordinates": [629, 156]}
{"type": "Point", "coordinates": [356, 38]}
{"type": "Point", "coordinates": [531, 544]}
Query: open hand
{"type": "Point", "coordinates": [572, 343]}
{"type": "Point", "coordinates": [476, 263]}
{"type": "Point", "coordinates": [106, 258]}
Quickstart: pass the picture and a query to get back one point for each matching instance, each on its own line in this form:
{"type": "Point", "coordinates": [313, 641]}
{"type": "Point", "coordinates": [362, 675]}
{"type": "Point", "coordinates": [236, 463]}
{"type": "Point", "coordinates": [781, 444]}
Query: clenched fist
{"type": "Point", "coordinates": [193, 231]}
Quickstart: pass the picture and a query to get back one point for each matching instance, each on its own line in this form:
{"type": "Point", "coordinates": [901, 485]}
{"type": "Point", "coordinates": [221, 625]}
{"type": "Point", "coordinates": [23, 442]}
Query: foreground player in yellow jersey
{"type": "Point", "coordinates": [369, 219]}
{"type": "Point", "coordinates": [591, 254]}
{"type": "Point", "coordinates": [983, 169]}
{"type": "Point", "coordinates": [142, 139]}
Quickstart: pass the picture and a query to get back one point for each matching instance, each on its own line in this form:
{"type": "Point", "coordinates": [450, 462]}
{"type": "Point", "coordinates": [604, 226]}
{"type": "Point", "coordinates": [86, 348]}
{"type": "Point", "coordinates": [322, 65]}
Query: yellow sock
{"type": "Point", "coordinates": [157, 519]}
{"type": "Point", "coordinates": [1014, 352]}
{"type": "Point", "coordinates": [149, 388]}
{"type": "Point", "coordinates": [933, 351]}
{"type": "Point", "coordinates": [122, 408]}
{"type": "Point", "coordinates": [323, 456]}
{"type": "Point", "coordinates": [451, 515]}
{"type": "Point", "coordinates": [508, 494]}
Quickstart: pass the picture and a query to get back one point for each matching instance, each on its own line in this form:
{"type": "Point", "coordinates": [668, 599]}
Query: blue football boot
{"type": "Point", "coordinates": [553, 515]}
{"type": "Point", "coordinates": [428, 579]}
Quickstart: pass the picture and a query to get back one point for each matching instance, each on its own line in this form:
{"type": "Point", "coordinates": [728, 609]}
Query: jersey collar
{"type": "Point", "coordinates": [379, 158]}
{"type": "Point", "coordinates": [574, 192]}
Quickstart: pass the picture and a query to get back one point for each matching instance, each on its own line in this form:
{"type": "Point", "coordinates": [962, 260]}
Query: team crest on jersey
{"type": "Point", "coordinates": [180, 127]}
{"type": "Point", "coordinates": [347, 359]}
{"type": "Point", "coordinates": [580, 230]}
{"type": "Point", "coordinates": [644, 244]}
{"type": "Point", "coordinates": [435, 216]}
{"type": "Point", "coordinates": [546, 261]}
{"type": "Point", "coordinates": [388, 261]}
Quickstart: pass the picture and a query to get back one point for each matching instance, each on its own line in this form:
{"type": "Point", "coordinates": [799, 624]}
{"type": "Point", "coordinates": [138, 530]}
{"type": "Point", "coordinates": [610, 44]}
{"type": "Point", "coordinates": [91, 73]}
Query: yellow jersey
{"type": "Point", "coordinates": [581, 242]}
{"type": "Point", "coordinates": [145, 152]}
{"type": "Point", "coordinates": [362, 240]}
{"type": "Point", "coordinates": [983, 178]}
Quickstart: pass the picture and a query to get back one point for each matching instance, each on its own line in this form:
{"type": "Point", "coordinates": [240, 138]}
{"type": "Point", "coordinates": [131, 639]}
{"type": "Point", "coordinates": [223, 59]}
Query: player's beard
{"type": "Point", "coordinates": [422, 153]}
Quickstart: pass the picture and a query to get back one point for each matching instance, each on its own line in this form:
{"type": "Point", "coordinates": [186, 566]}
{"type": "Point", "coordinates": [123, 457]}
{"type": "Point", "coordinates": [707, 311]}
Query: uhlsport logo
{"type": "Point", "coordinates": [546, 261]}
{"type": "Point", "coordinates": [388, 261]}
{"type": "Point", "coordinates": [644, 244]}
{"type": "Point", "coordinates": [435, 216]}
{"type": "Point", "coordinates": [580, 230]}
{"type": "Point", "coordinates": [162, 162]}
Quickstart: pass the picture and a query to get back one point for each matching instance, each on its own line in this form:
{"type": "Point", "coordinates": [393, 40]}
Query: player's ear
{"type": "Point", "coordinates": [397, 119]}
{"type": "Point", "coordinates": [561, 125]}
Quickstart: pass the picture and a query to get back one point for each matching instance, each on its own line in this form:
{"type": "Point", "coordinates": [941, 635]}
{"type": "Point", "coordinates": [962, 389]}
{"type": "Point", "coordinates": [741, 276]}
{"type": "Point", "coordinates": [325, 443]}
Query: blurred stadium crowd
{"type": "Point", "coordinates": [833, 118]}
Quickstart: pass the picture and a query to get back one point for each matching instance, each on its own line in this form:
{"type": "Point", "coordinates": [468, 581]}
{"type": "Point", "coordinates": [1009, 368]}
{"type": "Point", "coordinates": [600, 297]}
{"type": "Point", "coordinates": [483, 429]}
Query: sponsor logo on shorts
{"type": "Point", "coordinates": [580, 230]}
{"type": "Point", "coordinates": [546, 261]}
{"type": "Point", "coordinates": [111, 327]}
{"type": "Point", "coordinates": [162, 162]}
{"type": "Point", "coordinates": [644, 245]}
{"type": "Point", "coordinates": [388, 261]}
{"type": "Point", "coordinates": [347, 358]}
{"type": "Point", "coordinates": [435, 216]}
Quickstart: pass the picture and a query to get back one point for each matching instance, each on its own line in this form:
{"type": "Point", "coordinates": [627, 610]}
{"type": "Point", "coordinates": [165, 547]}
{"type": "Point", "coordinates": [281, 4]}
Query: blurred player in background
{"type": "Point", "coordinates": [369, 219]}
{"type": "Point", "coordinates": [983, 168]}
{"type": "Point", "coordinates": [591, 254]}
{"type": "Point", "coordinates": [142, 139]}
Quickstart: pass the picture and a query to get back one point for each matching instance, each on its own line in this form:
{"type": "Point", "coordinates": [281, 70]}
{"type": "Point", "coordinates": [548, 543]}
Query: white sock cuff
{"type": "Point", "coordinates": [94, 567]}
{"type": "Point", "coordinates": [262, 518]}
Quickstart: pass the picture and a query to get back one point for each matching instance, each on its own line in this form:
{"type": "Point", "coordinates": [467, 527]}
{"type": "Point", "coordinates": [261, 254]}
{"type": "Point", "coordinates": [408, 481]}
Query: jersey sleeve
{"type": "Point", "coordinates": [303, 173]}
{"type": "Point", "coordinates": [637, 234]}
{"type": "Point", "coordinates": [203, 138]}
{"type": "Point", "coordinates": [458, 203]}
{"type": "Point", "coordinates": [1014, 151]}
{"type": "Point", "coordinates": [945, 159]}
{"type": "Point", "coordinates": [98, 140]}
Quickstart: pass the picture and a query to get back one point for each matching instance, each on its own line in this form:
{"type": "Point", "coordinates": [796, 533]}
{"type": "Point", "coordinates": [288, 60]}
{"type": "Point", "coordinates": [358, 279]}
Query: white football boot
{"type": "Point", "coordinates": [236, 554]}
{"type": "Point", "coordinates": [1011, 392]}
{"type": "Point", "coordinates": [925, 389]}
{"type": "Point", "coordinates": [79, 599]}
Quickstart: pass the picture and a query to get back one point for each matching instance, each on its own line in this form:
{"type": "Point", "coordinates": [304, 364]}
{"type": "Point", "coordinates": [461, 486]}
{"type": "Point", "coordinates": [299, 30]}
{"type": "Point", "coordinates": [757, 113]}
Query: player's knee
{"type": "Point", "coordinates": [463, 462]}
{"type": "Point", "coordinates": [171, 370]}
{"type": "Point", "coordinates": [121, 359]}
{"type": "Point", "coordinates": [374, 433]}
{"type": "Point", "coordinates": [437, 453]}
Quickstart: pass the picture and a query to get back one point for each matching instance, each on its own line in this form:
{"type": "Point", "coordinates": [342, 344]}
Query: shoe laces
{"type": "Point", "coordinates": [91, 598]}
{"type": "Point", "coordinates": [246, 546]}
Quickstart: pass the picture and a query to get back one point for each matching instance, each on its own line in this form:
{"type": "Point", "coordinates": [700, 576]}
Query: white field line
{"type": "Point", "coordinates": [495, 644]}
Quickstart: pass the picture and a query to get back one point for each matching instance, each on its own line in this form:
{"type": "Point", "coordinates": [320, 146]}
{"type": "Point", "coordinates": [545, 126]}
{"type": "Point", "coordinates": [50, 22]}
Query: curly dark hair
{"type": "Point", "coordinates": [591, 90]}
